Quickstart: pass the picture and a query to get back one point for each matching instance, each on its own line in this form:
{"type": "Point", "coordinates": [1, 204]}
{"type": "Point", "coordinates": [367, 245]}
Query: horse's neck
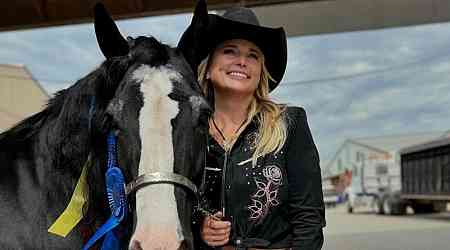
{"type": "Point", "coordinates": [61, 162]}
{"type": "Point", "coordinates": [32, 180]}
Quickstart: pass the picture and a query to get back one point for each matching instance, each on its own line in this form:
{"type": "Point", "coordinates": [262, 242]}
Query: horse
{"type": "Point", "coordinates": [146, 93]}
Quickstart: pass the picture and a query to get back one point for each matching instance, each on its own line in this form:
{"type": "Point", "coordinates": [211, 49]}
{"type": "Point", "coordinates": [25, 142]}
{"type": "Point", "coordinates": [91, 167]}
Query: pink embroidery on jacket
{"type": "Point", "coordinates": [266, 195]}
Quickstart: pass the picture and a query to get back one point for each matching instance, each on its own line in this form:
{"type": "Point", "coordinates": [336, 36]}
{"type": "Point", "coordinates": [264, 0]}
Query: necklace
{"type": "Point", "coordinates": [227, 143]}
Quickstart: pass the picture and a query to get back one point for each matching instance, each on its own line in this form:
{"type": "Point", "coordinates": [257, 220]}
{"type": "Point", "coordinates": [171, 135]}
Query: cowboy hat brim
{"type": "Point", "coordinates": [271, 41]}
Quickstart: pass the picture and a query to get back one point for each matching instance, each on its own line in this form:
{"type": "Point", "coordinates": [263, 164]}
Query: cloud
{"type": "Point", "coordinates": [167, 29]}
{"type": "Point", "coordinates": [354, 68]}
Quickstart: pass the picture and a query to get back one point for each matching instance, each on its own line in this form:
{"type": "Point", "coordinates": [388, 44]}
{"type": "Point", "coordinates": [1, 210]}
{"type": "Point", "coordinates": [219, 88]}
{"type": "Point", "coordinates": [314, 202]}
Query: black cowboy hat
{"type": "Point", "coordinates": [235, 23]}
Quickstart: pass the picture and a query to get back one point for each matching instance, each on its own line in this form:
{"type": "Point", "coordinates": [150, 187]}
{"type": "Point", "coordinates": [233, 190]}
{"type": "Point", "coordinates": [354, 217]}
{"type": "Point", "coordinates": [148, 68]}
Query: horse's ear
{"type": "Point", "coordinates": [200, 13]}
{"type": "Point", "coordinates": [109, 39]}
{"type": "Point", "coordinates": [193, 42]}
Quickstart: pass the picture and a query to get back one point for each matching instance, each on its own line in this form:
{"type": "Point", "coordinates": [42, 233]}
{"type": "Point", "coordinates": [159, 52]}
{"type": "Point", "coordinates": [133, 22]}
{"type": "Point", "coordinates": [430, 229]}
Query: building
{"type": "Point", "coordinates": [20, 95]}
{"type": "Point", "coordinates": [374, 162]}
{"type": "Point", "coordinates": [374, 149]}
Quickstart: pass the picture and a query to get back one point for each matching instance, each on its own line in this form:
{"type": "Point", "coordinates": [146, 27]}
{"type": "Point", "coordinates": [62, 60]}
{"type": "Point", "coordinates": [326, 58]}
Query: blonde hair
{"type": "Point", "coordinates": [272, 130]}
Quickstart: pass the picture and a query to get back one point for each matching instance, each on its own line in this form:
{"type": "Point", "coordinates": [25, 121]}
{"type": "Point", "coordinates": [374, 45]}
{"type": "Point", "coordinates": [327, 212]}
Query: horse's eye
{"type": "Point", "coordinates": [180, 97]}
{"type": "Point", "coordinates": [131, 41]}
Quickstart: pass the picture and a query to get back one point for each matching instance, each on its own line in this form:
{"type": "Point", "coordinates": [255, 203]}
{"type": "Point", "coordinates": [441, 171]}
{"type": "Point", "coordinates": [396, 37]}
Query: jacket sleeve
{"type": "Point", "coordinates": [306, 206]}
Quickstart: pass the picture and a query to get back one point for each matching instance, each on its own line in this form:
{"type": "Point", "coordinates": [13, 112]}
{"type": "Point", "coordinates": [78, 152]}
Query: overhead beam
{"type": "Point", "coordinates": [40, 7]}
{"type": "Point", "coordinates": [299, 17]}
{"type": "Point", "coordinates": [26, 14]}
{"type": "Point", "coordinates": [319, 17]}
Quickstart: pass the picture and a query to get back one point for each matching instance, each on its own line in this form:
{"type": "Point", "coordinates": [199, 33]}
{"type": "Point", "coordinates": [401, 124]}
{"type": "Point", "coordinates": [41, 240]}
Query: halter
{"type": "Point", "coordinates": [117, 193]}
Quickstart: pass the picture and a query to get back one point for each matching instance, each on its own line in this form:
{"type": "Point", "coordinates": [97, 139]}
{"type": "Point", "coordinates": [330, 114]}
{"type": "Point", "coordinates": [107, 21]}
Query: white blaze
{"type": "Point", "coordinates": [157, 216]}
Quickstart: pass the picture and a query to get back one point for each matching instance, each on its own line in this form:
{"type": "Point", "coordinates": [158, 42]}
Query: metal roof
{"type": "Point", "coordinates": [298, 17]}
{"type": "Point", "coordinates": [385, 144]}
{"type": "Point", "coordinates": [397, 142]}
{"type": "Point", "coordinates": [443, 141]}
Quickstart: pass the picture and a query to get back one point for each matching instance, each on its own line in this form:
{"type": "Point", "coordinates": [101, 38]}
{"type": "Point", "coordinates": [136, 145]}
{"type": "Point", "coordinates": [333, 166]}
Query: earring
{"type": "Point", "coordinates": [208, 76]}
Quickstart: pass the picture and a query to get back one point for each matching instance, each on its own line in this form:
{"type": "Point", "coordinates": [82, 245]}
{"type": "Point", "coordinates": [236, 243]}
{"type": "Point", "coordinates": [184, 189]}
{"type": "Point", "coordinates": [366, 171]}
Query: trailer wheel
{"type": "Point", "coordinates": [387, 206]}
{"type": "Point", "coordinates": [378, 205]}
{"type": "Point", "coordinates": [393, 206]}
{"type": "Point", "coordinates": [349, 208]}
{"type": "Point", "coordinates": [401, 209]}
{"type": "Point", "coordinates": [440, 207]}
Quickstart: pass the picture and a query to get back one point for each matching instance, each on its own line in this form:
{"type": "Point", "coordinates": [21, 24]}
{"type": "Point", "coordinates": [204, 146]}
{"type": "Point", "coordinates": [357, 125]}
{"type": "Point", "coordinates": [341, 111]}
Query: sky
{"type": "Point", "coordinates": [354, 84]}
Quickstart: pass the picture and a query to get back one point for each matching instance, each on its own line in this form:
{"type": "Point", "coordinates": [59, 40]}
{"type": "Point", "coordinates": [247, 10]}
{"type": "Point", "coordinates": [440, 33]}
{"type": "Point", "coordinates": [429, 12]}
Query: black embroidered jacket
{"type": "Point", "coordinates": [276, 204]}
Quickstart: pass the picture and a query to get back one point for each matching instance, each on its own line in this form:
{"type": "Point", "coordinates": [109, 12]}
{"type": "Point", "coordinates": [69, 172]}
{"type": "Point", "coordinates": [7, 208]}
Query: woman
{"type": "Point", "coordinates": [262, 179]}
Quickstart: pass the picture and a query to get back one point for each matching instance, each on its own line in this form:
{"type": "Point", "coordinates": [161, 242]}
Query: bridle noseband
{"type": "Point", "coordinates": [158, 178]}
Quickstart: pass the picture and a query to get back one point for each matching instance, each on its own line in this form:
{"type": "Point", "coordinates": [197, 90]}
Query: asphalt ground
{"type": "Point", "coordinates": [364, 230]}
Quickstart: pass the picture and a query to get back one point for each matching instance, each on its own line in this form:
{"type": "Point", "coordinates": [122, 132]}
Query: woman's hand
{"type": "Point", "coordinates": [215, 232]}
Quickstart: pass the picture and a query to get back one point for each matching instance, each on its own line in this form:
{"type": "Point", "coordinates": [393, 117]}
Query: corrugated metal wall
{"type": "Point", "coordinates": [20, 95]}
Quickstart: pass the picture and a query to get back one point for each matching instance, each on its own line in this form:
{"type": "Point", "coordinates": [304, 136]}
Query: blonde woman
{"type": "Point", "coordinates": [262, 178]}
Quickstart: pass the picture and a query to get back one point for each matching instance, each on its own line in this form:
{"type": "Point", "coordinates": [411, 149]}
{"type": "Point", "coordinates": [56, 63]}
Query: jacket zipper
{"type": "Point", "coordinates": [224, 185]}
{"type": "Point", "coordinates": [224, 172]}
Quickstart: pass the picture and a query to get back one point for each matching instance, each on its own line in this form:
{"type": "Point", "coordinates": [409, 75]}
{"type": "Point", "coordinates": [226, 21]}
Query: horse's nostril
{"type": "Point", "coordinates": [183, 246]}
{"type": "Point", "coordinates": [136, 245]}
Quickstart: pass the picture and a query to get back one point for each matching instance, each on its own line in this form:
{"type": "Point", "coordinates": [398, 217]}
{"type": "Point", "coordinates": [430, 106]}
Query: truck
{"type": "Point", "coordinates": [425, 174]}
{"type": "Point", "coordinates": [417, 177]}
{"type": "Point", "coordinates": [378, 180]}
{"type": "Point", "coordinates": [331, 194]}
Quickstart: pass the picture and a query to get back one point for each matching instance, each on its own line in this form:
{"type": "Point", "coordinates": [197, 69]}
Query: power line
{"type": "Point", "coordinates": [365, 73]}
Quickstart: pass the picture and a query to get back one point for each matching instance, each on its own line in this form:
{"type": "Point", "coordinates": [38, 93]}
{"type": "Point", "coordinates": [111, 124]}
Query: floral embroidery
{"type": "Point", "coordinates": [266, 195]}
{"type": "Point", "coordinates": [251, 139]}
{"type": "Point", "coordinates": [273, 173]}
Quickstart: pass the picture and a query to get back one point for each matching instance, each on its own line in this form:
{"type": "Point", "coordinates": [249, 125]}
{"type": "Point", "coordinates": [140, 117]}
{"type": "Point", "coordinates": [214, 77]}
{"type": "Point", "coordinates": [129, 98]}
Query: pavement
{"type": "Point", "coordinates": [364, 230]}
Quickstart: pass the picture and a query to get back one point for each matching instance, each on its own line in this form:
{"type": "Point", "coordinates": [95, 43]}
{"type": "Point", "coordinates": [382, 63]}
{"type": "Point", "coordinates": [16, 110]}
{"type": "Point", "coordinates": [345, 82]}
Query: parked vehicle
{"type": "Point", "coordinates": [377, 181]}
{"type": "Point", "coordinates": [419, 178]}
{"type": "Point", "coordinates": [330, 194]}
{"type": "Point", "coordinates": [425, 173]}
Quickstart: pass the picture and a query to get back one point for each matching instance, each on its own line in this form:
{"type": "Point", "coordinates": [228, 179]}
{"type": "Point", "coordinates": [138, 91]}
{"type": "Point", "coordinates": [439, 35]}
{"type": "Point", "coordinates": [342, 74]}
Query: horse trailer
{"type": "Point", "coordinates": [400, 172]}
{"type": "Point", "coordinates": [425, 174]}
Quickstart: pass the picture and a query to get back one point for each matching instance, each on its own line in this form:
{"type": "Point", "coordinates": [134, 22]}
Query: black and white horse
{"type": "Point", "coordinates": [147, 93]}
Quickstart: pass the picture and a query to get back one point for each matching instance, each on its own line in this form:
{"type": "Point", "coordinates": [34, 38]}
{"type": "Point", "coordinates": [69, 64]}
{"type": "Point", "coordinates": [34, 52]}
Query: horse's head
{"type": "Point", "coordinates": [160, 116]}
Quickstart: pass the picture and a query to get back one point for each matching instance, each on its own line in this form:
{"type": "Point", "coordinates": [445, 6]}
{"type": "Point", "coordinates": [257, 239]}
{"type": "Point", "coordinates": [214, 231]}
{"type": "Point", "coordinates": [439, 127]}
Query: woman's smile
{"type": "Point", "coordinates": [238, 75]}
{"type": "Point", "coordinates": [236, 66]}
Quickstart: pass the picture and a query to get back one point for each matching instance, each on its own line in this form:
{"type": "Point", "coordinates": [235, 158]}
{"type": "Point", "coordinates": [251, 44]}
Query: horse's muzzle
{"type": "Point", "coordinates": [137, 245]}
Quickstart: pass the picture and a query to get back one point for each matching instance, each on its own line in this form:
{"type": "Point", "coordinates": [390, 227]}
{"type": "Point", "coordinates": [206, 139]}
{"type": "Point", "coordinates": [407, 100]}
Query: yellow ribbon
{"type": "Point", "coordinates": [74, 211]}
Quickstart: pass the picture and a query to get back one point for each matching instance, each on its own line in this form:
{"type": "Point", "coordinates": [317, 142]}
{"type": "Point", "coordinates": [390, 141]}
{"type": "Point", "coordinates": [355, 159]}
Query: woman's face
{"type": "Point", "coordinates": [236, 66]}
